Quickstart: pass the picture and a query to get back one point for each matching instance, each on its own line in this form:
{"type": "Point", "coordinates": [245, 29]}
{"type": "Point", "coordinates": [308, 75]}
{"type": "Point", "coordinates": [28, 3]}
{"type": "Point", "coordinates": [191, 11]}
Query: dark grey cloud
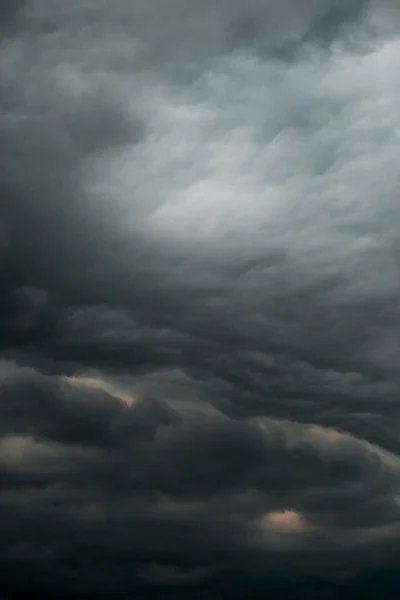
{"type": "Point", "coordinates": [10, 9]}
{"type": "Point", "coordinates": [176, 489]}
{"type": "Point", "coordinates": [199, 273]}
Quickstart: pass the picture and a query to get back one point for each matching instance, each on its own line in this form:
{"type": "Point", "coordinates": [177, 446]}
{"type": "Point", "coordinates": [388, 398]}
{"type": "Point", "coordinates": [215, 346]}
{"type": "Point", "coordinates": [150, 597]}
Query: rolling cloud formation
{"type": "Point", "coordinates": [199, 309]}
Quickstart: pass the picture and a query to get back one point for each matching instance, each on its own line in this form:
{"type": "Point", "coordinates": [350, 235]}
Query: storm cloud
{"type": "Point", "coordinates": [199, 322]}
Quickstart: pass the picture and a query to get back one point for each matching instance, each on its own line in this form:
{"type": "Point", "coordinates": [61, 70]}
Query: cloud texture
{"type": "Point", "coordinates": [199, 320]}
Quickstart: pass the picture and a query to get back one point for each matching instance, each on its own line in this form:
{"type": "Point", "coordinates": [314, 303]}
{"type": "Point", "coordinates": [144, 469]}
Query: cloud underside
{"type": "Point", "coordinates": [199, 324]}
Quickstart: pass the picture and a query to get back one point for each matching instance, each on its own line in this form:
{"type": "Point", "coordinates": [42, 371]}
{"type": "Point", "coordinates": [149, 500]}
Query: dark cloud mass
{"type": "Point", "coordinates": [199, 307]}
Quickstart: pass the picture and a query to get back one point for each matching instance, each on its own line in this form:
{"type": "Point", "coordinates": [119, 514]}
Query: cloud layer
{"type": "Point", "coordinates": [199, 324]}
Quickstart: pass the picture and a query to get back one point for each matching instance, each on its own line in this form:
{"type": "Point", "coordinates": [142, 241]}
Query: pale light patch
{"type": "Point", "coordinates": [96, 383]}
{"type": "Point", "coordinates": [331, 438]}
{"type": "Point", "coordinates": [328, 435]}
{"type": "Point", "coordinates": [287, 521]}
{"type": "Point", "coordinates": [16, 450]}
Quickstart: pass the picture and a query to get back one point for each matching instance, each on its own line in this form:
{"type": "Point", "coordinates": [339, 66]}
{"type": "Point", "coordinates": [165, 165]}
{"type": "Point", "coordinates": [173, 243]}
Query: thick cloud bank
{"type": "Point", "coordinates": [199, 308]}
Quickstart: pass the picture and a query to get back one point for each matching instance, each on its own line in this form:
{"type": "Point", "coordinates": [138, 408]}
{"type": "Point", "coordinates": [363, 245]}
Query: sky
{"type": "Point", "coordinates": [199, 315]}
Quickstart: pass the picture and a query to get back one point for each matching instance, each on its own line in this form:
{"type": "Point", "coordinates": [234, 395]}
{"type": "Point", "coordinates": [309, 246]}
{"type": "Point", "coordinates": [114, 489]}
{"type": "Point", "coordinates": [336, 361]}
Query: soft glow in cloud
{"type": "Point", "coordinates": [287, 521]}
{"type": "Point", "coordinates": [96, 383]}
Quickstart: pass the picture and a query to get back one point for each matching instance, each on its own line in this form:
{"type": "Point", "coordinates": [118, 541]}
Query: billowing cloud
{"type": "Point", "coordinates": [199, 265]}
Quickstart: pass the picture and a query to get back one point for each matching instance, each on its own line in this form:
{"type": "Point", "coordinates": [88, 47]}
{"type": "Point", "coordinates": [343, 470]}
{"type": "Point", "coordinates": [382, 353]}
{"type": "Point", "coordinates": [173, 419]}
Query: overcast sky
{"type": "Point", "coordinates": [199, 308]}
